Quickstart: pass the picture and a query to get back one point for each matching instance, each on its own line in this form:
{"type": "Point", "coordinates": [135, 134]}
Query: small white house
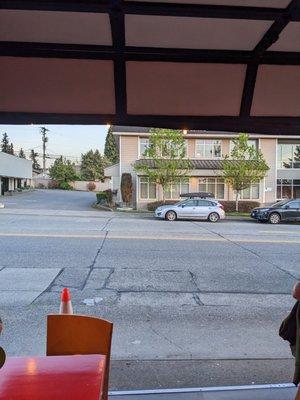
{"type": "Point", "coordinates": [15, 172]}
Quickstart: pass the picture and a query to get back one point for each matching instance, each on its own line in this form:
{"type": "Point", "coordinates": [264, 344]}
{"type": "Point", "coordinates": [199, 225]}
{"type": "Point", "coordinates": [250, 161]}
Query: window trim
{"type": "Point", "coordinates": [281, 185]}
{"type": "Point", "coordinates": [148, 183]}
{"type": "Point", "coordinates": [251, 192]}
{"type": "Point", "coordinates": [281, 162]}
{"type": "Point", "coordinates": [216, 183]}
{"type": "Point", "coordinates": [211, 158]}
{"type": "Point", "coordinates": [180, 190]}
{"type": "Point", "coordinates": [139, 146]}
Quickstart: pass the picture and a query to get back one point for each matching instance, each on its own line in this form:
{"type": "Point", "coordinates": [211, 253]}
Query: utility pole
{"type": "Point", "coordinates": [44, 140]}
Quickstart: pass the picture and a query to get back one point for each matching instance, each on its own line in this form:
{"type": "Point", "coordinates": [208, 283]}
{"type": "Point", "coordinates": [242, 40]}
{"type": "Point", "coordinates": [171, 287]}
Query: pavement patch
{"type": "Point", "coordinates": [151, 281]}
{"type": "Point", "coordinates": [157, 300]}
{"type": "Point", "coordinates": [70, 277]}
{"type": "Point", "coordinates": [98, 278]}
{"type": "Point", "coordinates": [104, 297]}
{"type": "Point", "coordinates": [246, 300]}
{"type": "Point", "coordinates": [27, 279]}
{"type": "Point", "coordinates": [17, 298]}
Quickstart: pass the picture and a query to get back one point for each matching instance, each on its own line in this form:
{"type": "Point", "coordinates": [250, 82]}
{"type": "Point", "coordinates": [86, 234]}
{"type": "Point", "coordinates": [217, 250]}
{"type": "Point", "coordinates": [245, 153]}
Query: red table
{"type": "Point", "coordinates": [53, 378]}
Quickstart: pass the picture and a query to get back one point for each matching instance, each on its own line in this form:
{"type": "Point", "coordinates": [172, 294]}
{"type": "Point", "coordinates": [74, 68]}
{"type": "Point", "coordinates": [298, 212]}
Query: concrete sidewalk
{"type": "Point", "coordinates": [263, 392]}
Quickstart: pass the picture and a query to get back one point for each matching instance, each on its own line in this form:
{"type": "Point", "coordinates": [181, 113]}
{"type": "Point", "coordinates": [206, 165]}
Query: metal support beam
{"type": "Point", "coordinates": [263, 125]}
{"type": "Point", "coordinates": [96, 52]}
{"type": "Point", "coordinates": [117, 21]}
{"type": "Point", "coordinates": [270, 37]}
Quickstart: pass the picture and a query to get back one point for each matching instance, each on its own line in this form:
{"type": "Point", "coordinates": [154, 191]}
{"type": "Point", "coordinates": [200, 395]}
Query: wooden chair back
{"type": "Point", "coordinates": [80, 334]}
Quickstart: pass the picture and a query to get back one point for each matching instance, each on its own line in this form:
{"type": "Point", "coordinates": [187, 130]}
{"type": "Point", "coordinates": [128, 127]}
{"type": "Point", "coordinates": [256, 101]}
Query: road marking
{"type": "Point", "coordinates": [280, 232]}
{"type": "Point", "coordinates": [101, 235]}
{"type": "Point", "coordinates": [55, 235]}
{"type": "Point", "coordinates": [200, 239]}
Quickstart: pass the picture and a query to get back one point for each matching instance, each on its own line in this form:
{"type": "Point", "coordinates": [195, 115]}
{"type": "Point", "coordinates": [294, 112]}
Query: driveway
{"type": "Point", "coordinates": [50, 200]}
{"type": "Point", "coordinates": [193, 303]}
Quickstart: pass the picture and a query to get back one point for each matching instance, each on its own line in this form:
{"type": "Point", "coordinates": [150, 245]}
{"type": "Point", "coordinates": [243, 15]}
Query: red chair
{"type": "Point", "coordinates": [80, 334]}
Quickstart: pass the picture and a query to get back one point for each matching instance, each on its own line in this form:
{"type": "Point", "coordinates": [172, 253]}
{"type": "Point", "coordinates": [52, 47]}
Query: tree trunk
{"type": "Point", "coordinates": [163, 193]}
{"type": "Point", "coordinates": [237, 201]}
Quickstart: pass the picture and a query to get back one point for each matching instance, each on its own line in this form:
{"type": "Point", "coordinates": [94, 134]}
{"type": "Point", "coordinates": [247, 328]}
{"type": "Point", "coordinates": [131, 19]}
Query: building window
{"type": "Point", "coordinates": [216, 186]}
{"type": "Point", "coordinates": [147, 189]}
{"type": "Point", "coordinates": [251, 193]}
{"type": "Point", "coordinates": [288, 155]}
{"type": "Point", "coordinates": [144, 144]}
{"type": "Point", "coordinates": [250, 142]}
{"type": "Point", "coordinates": [168, 148]}
{"type": "Point", "coordinates": [288, 188]}
{"type": "Point", "coordinates": [208, 149]}
{"type": "Point", "coordinates": [174, 191]}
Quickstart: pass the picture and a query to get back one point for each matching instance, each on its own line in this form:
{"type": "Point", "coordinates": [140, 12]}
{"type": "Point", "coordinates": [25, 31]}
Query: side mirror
{"type": "Point", "coordinates": [287, 206]}
{"type": "Point", "coordinates": [183, 205]}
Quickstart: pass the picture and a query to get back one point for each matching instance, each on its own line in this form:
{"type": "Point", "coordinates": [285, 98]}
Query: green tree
{"type": "Point", "coordinates": [5, 146]}
{"type": "Point", "coordinates": [92, 166]}
{"type": "Point", "coordinates": [11, 149]}
{"type": "Point", "coordinates": [167, 152]}
{"type": "Point", "coordinates": [33, 156]}
{"type": "Point", "coordinates": [111, 150]}
{"type": "Point", "coordinates": [63, 171]}
{"type": "Point", "coordinates": [21, 153]}
{"type": "Point", "coordinates": [244, 166]}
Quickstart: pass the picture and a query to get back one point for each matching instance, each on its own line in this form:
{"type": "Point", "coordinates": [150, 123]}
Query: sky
{"type": "Point", "coordinates": [67, 140]}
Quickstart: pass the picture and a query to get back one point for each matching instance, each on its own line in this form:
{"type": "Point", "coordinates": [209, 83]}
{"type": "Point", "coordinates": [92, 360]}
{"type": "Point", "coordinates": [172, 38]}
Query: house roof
{"type": "Point", "coordinates": [130, 129]}
{"type": "Point", "coordinates": [222, 65]}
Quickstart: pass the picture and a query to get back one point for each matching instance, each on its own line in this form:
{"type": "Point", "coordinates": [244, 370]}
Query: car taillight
{"type": "Point", "coordinates": [221, 206]}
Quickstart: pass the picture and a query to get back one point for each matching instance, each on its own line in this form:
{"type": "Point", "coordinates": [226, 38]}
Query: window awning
{"type": "Point", "coordinates": [229, 65]}
{"type": "Point", "coordinates": [194, 164]}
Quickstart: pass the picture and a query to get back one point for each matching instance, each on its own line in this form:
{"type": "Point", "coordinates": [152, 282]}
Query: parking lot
{"type": "Point", "coordinates": [184, 295]}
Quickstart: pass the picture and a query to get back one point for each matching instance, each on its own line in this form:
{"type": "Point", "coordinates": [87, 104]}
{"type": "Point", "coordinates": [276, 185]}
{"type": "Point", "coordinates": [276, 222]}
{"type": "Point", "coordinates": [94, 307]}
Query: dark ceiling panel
{"type": "Point", "coordinates": [281, 38]}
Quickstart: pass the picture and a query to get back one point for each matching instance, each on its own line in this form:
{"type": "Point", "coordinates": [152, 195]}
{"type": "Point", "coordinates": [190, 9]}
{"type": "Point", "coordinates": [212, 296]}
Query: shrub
{"type": "Point", "coordinates": [152, 206]}
{"type": "Point", "coordinates": [53, 184]}
{"type": "Point", "coordinates": [41, 186]}
{"type": "Point", "coordinates": [91, 186]}
{"type": "Point", "coordinates": [65, 186]}
{"type": "Point", "coordinates": [244, 206]}
{"type": "Point", "coordinates": [126, 188]}
{"type": "Point", "coordinates": [105, 197]}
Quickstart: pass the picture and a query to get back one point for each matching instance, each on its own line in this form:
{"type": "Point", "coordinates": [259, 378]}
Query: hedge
{"type": "Point", "coordinates": [152, 206]}
{"type": "Point", "coordinates": [244, 205]}
{"type": "Point", "coordinates": [105, 197]}
{"type": "Point", "coordinates": [229, 206]}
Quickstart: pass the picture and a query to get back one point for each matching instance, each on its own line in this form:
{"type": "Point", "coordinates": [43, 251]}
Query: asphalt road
{"type": "Point", "coordinates": [193, 303]}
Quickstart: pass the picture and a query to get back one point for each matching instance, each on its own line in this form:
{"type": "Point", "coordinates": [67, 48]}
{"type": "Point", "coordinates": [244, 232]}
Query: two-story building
{"type": "Point", "coordinates": [206, 150]}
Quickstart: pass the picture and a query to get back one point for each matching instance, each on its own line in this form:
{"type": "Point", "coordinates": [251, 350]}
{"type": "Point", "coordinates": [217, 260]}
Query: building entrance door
{"type": "Point", "coordinates": [4, 186]}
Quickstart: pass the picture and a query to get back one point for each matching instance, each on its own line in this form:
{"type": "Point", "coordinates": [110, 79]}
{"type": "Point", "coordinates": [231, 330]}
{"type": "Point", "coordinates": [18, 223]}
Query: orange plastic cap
{"type": "Point", "coordinates": [65, 295]}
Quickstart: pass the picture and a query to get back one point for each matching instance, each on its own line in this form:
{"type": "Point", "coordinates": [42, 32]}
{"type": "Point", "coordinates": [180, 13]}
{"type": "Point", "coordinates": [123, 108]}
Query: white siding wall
{"type": "Point", "coordinates": [15, 167]}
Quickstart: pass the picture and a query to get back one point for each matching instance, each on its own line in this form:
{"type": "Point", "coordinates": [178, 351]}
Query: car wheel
{"type": "Point", "coordinates": [274, 218]}
{"type": "Point", "coordinates": [213, 217]}
{"type": "Point", "coordinates": [171, 216]}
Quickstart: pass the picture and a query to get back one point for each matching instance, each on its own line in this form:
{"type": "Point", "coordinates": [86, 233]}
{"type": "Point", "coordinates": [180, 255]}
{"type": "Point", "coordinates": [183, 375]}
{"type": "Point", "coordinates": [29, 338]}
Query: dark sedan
{"type": "Point", "coordinates": [285, 210]}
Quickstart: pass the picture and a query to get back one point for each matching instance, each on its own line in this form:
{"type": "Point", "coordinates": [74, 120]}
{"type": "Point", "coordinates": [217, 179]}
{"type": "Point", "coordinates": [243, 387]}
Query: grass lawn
{"type": "Point", "coordinates": [238, 214]}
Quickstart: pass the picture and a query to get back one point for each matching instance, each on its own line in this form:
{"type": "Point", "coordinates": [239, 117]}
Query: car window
{"type": "Point", "coordinates": [294, 204]}
{"type": "Point", "coordinates": [279, 204]}
{"type": "Point", "coordinates": [205, 203]}
{"type": "Point", "coordinates": [191, 203]}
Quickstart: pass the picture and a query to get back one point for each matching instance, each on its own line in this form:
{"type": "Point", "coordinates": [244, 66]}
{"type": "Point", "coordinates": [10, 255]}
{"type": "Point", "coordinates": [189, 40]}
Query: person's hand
{"type": "Point", "coordinates": [296, 291]}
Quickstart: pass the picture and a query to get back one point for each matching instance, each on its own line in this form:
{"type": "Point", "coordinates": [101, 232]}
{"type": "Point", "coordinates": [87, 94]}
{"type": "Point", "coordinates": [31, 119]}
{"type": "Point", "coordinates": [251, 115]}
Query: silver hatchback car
{"type": "Point", "coordinates": [192, 208]}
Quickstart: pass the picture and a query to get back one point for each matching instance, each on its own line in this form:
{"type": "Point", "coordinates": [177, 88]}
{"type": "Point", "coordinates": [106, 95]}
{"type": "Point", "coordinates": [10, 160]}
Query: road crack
{"type": "Point", "coordinates": [249, 251]}
{"type": "Point", "coordinates": [94, 261]}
